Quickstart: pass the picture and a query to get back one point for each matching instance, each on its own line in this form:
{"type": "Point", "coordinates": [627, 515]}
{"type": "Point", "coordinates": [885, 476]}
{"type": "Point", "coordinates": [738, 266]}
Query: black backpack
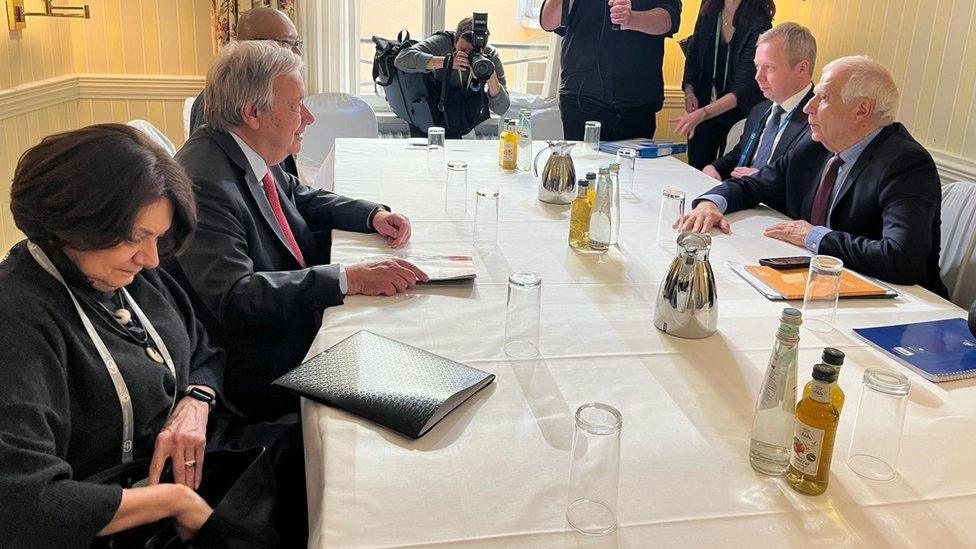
{"type": "Point", "coordinates": [419, 98]}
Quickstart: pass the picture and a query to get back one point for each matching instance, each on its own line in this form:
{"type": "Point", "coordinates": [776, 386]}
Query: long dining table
{"type": "Point", "coordinates": [495, 471]}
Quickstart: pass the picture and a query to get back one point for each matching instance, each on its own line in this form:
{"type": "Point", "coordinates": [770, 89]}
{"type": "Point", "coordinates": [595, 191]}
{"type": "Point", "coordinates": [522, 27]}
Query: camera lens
{"type": "Point", "coordinates": [481, 66]}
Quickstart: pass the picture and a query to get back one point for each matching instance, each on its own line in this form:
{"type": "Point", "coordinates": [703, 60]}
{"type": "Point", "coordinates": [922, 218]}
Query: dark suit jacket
{"type": "Point", "coordinates": [248, 288]}
{"type": "Point", "coordinates": [886, 218]}
{"type": "Point", "coordinates": [289, 164]}
{"type": "Point", "coordinates": [792, 133]}
{"type": "Point", "coordinates": [700, 56]}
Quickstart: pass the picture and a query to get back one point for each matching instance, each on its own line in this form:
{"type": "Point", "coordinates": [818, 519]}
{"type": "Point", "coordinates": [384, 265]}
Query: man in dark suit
{"type": "Point", "coordinates": [259, 24]}
{"type": "Point", "coordinates": [785, 57]}
{"type": "Point", "coordinates": [258, 267]}
{"type": "Point", "coordinates": [858, 186]}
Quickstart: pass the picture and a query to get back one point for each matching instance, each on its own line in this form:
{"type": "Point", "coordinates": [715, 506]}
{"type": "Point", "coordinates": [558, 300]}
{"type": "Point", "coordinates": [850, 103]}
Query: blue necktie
{"type": "Point", "coordinates": [765, 149]}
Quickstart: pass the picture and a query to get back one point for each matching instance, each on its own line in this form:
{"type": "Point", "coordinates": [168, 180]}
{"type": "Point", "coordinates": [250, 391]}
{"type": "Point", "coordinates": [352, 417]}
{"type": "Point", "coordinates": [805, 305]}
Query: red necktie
{"type": "Point", "coordinates": [821, 200]}
{"type": "Point", "coordinates": [271, 190]}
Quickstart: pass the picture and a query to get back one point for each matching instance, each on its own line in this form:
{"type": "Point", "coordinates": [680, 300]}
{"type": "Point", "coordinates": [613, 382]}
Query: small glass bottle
{"type": "Point", "coordinates": [591, 190]}
{"type": "Point", "coordinates": [600, 216]}
{"type": "Point", "coordinates": [772, 426]}
{"type": "Point", "coordinates": [579, 217]}
{"type": "Point", "coordinates": [508, 146]}
{"type": "Point", "coordinates": [615, 209]}
{"type": "Point", "coordinates": [525, 140]}
{"type": "Point", "coordinates": [834, 357]}
{"type": "Point", "coordinates": [813, 435]}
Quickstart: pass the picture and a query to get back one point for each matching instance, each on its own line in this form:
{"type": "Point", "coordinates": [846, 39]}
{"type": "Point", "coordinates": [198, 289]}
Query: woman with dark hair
{"type": "Point", "coordinates": [102, 361]}
{"type": "Point", "coordinates": [719, 81]}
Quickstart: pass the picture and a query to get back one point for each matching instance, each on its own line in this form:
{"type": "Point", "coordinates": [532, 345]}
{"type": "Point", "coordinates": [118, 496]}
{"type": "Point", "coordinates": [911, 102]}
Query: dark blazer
{"type": "Point", "coordinates": [792, 133]}
{"type": "Point", "coordinates": [247, 286]}
{"type": "Point", "coordinates": [700, 55]}
{"type": "Point", "coordinates": [886, 217]}
{"type": "Point", "coordinates": [289, 164]}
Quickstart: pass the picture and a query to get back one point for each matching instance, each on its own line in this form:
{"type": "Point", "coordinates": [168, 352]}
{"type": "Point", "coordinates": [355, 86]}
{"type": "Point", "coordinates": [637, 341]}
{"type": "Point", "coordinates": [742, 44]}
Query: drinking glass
{"type": "Point", "coordinates": [456, 189]}
{"type": "Point", "coordinates": [591, 139]}
{"type": "Point", "coordinates": [628, 167]}
{"type": "Point", "coordinates": [672, 208]}
{"type": "Point", "coordinates": [876, 439]}
{"type": "Point", "coordinates": [594, 469]}
{"type": "Point", "coordinates": [486, 217]}
{"type": "Point", "coordinates": [522, 319]}
{"type": "Point", "coordinates": [821, 293]}
{"type": "Point", "coordinates": [436, 152]}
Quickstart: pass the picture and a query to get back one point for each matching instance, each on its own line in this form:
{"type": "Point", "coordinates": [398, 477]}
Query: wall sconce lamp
{"type": "Point", "coordinates": [17, 15]}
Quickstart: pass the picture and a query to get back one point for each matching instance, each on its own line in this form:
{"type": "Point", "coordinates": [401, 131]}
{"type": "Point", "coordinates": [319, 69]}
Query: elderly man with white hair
{"type": "Point", "coordinates": [258, 269]}
{"type": "Point", "coordinates": [858, 186]}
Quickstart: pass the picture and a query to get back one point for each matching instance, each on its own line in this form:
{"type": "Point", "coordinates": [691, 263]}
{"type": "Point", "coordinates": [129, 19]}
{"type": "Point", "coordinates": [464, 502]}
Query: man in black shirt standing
{"type": "Point", "coordinates": [611, 76]}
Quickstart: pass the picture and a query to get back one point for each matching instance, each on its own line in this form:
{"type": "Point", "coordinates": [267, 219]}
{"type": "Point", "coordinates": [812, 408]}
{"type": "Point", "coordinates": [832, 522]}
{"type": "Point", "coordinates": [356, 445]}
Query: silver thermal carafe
{"type": "Point", "coordinates": [686, 302]}
{"type": "Point", "coordinates": [558, 182]}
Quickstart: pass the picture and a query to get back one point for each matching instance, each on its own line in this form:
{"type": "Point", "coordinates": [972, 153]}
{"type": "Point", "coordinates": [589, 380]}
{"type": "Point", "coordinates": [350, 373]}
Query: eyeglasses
{"type": "Point", "coordinates": [286, 42]}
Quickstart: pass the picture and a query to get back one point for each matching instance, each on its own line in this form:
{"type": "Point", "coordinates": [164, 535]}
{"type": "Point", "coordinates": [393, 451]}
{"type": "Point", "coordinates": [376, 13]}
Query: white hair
{"type": "Point", "coordinates": [243, 75]}
{"type": "Point", "coordinates": [868, 79]}
{"type": "Point", "coordinates": [798, 40]}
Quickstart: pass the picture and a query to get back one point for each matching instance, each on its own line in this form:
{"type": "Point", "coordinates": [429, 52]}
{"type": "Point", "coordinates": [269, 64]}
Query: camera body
{"type": "Point", "coordinates": [481, 65]}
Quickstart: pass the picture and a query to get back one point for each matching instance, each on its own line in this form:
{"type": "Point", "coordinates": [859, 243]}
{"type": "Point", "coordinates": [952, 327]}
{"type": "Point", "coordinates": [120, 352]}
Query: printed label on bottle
{"type": "Point", "coordinates": [807, 443]}
{"type": "Point", "coordinates": [820, 391]}
{"type": "Point", "coordinates": [769, 394]}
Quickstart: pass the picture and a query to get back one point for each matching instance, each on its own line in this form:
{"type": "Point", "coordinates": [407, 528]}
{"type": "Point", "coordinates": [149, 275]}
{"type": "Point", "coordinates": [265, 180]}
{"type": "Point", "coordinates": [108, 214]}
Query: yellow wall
{"type": "Point", "coordinates": [168, 41]}
{"type": "Point", "coordinates": [929, 46]}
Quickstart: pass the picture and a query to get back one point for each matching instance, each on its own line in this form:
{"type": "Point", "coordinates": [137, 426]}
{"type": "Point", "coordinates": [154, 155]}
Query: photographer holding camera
{"type": "Point", "coordinates": [475, 79]}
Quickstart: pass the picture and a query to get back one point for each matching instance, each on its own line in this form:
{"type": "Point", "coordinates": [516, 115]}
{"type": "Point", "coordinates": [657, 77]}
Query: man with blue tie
{"type": "Point", "coordinates": [785, 57]}
{"type": "Point", "coordinates": [857, 186]}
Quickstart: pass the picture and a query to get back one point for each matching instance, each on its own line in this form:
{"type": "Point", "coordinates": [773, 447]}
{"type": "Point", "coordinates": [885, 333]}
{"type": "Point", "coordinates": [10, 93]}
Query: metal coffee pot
{"type": "Point", "coordinates": [558, 182]}
{"type": "Point", "coordinates": [686, 302]}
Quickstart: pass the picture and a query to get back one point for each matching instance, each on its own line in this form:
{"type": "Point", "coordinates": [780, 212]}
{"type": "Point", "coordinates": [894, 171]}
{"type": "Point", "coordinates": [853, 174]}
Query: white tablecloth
{"type": "Point", "coordinates": [495, 471]}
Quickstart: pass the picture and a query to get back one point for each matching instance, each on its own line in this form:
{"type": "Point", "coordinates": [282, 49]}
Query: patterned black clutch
{"type": "Point", "coordinates": [385, 381]}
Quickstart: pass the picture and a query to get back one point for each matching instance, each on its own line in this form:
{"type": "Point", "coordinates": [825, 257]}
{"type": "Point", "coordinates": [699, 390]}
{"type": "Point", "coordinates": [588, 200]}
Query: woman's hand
{"type": "Point", "coordinates": [685, 125]}
{"type": "Point", "coordinates": [182, 440]}
{"type": "Point", "coordinates": [191, 513]}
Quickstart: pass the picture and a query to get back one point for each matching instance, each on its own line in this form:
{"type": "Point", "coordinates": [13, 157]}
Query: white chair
{"type": "Point", "coordinates": [187, 109]}
{"type": "Point", "coordinates": [734, 134]}
{"type": "Point", "coordinates": [336, 115]}
{"type": "Point", "coordinates": [546, 122]}
{"type": "Point", "coordinates": [957, 264]}
{"type": "Point", "coordinates": [154, 134]}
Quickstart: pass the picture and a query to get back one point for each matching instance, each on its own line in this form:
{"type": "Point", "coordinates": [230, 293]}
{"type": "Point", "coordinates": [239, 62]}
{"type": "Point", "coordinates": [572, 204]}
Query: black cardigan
{"type": "Point", "coordinates": [60, 420]}
{"type": "Point", "coordinates": [699, 61]}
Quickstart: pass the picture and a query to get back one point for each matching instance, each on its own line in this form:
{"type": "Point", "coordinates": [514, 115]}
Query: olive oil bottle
{"type": "Point", "coordinates": [813, 435]}
{"type": "Point", "coordinates": [579, 216]}
{"type": "Point", "coordinates": [591, 190]}
{"type": "Point", "coordinates": [508, 144]}
{"type": "Point", "coordinates": [834, 357]}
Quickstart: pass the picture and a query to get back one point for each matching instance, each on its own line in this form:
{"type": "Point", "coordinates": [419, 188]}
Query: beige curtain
{"type": "Point", "coordinates": [224, 14]}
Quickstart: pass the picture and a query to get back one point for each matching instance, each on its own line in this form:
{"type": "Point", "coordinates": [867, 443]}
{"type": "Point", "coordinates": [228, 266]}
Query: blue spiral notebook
{"type": "Point", "coordinates": [938, 350]}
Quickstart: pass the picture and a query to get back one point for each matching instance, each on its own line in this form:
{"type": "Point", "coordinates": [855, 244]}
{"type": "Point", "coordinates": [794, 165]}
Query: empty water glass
{"type": "Point", "coordinates": [594, 469]}
{"type": "Point", "coordinates": [456, 189]}
{"type": "Point", "coordinates": [627, 158]}
{"type": "Point", "coordinates": [876, 439]}
{"type": "Point", "coordinates": [486, 217]}
{"type": "Point", "coordinates": [591, 139]}
{"type": "Point", "coordinates": [524, 309]}
{"type": "Point", "coordinates": [672, 208]}
{"type": "Point", "coordinates": [821, 293]}
{"type": "Point", "coordinates": [436, 152]}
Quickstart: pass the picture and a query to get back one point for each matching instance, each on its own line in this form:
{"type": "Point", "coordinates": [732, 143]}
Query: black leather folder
{"type": "Point", "coordinates": [385, 381]}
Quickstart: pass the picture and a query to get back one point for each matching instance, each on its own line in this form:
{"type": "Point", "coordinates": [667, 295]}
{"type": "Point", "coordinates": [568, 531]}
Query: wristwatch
{"type": "Point", "coordinates": [202, 395]}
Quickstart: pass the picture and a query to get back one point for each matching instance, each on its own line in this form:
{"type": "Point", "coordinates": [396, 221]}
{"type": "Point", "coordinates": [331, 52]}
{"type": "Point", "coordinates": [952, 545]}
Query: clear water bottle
{"type": "Point", "coordinates": [772, 427]}
{"type": "Point", "coordinates": [615, 208]}
{"type": "Point", "coordinates": [601, 216]}
{"type": "Point", "coordinates": [525, 140]}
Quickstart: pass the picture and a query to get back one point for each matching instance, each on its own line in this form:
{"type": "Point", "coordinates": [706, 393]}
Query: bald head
{"type": "Point", "coordinates": [265, 24]}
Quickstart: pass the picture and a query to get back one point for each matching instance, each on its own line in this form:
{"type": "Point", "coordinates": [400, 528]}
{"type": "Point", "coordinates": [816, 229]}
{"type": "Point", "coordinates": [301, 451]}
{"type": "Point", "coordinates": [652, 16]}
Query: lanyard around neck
{"type": "Point", "coordinates": [728, 55]}
{"type": "Point", "coordinates": [121, 390]}
{"type": "Point", "coordinates": [747, 149]}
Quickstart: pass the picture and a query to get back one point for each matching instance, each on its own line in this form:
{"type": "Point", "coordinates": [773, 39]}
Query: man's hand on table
{"type": "Point", "coordinates": [385, 277]}
{"type": "Point", "coordinates": [703, 218]}
{"type": "Point", "coordinates": [794, 232]}
{"type": "Point", "coordinates": [394, 226]}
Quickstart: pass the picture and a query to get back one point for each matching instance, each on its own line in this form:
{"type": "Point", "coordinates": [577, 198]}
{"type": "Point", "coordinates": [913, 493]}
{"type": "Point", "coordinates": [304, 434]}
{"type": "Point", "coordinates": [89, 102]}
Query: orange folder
{"type": "Point", "coordinates": [791, 282]}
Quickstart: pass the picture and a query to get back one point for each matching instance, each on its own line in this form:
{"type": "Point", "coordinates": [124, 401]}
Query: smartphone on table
{"type": "Point", "coordinates": [792, 262]}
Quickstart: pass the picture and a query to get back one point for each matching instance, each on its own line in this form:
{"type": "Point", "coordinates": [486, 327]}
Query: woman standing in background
{"type": "Point", "coordinates": [719, 80]}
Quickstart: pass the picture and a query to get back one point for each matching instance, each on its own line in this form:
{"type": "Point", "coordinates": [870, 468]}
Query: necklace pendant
{"type": "Point", "coordinates": [123, 316]}
{"type": "Point", "coordinates": [154, 355]}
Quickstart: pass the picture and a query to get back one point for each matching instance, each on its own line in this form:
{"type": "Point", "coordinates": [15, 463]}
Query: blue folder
{"type": "Point", "coordinates": [938, 350]}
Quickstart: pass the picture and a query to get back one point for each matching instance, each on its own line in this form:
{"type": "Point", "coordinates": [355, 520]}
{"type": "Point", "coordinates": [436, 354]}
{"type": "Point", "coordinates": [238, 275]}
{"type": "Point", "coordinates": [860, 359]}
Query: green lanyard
{"type": "Point", "coordinates": [725, 74]}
